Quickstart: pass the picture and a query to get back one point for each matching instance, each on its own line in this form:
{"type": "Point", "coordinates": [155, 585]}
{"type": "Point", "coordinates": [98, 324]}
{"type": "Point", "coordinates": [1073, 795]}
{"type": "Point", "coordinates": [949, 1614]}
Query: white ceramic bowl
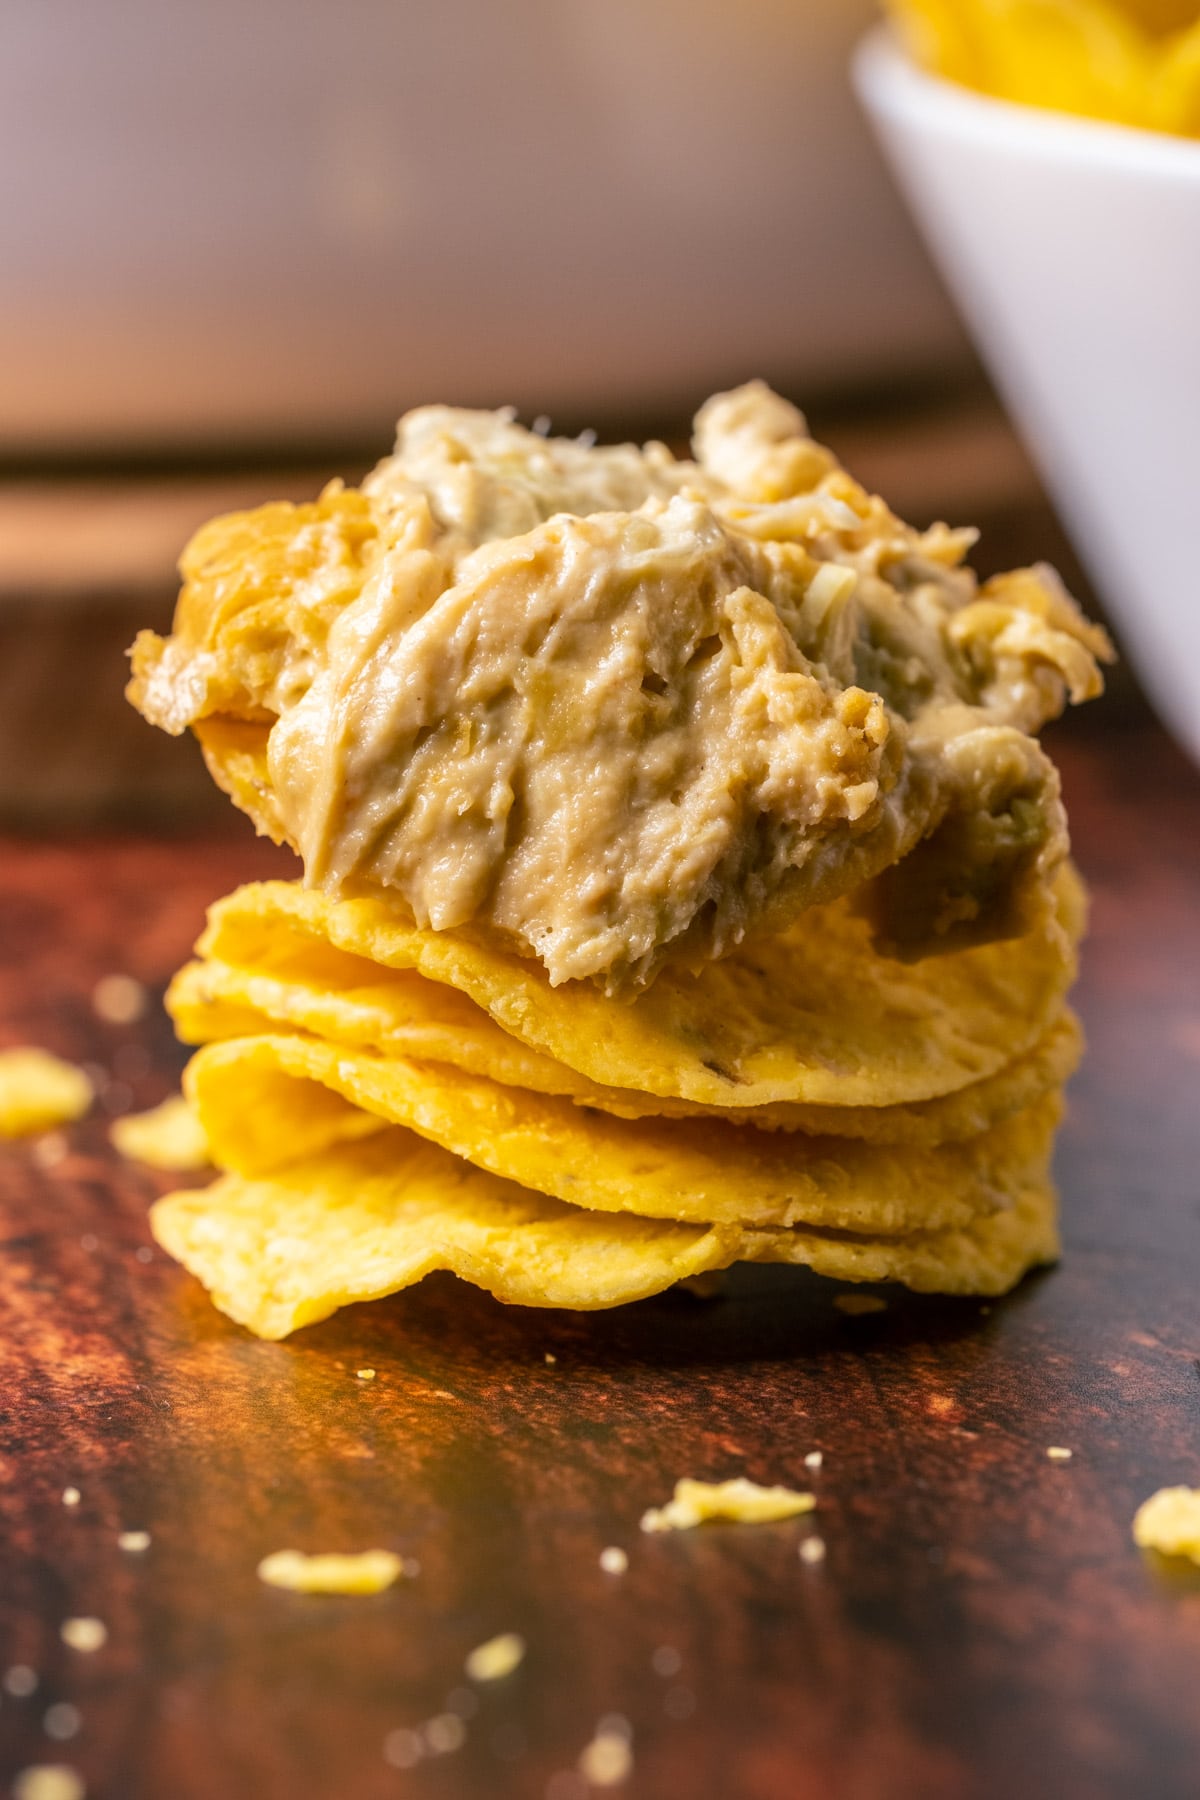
{"type": "Point", "coordinates": [1073, 249]}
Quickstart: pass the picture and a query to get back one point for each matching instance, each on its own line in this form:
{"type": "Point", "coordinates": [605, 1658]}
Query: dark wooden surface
{"type": "Point", "coordinates": [982, 1625]}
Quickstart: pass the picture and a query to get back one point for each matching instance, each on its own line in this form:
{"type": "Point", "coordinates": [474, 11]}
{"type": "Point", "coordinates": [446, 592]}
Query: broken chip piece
{"type": "Point", "coordinates": [168, 1136]}
{"type": "Point", "coordinates": [738, 1500]}
{"type": "Point", "coordinates": [1169, 1521]}
{"type": "Point", "coordinates": [39, 1091]}
{"type": "Point", "coordinates": [366, 1572]}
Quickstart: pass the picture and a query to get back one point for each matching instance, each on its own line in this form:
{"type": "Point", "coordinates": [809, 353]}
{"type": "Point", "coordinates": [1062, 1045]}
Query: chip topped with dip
{"type": "Point", "coordinates": [639, 799]}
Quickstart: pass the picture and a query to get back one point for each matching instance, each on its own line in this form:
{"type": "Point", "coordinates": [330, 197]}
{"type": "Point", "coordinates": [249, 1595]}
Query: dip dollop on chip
{"type": "Point", "coordinates": [609, 707]}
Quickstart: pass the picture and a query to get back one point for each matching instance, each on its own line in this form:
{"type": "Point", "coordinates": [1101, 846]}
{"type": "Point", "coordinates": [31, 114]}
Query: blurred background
{"type": "Point", "coordinates": [239, 239]}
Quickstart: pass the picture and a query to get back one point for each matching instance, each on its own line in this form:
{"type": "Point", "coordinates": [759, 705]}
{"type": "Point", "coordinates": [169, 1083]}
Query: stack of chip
{"type": "Point", "coordinates": [386, 1101]}
{"type": "Point", "coordinates": [789, 986]}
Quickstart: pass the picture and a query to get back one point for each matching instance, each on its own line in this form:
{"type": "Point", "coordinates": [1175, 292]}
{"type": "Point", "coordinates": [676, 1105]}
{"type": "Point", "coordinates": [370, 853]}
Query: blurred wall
{"type": "Point", "coordinates": [281, 218]}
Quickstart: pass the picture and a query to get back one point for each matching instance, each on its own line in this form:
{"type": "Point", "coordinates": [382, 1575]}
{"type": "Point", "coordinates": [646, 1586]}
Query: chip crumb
{"type": "Point", "coordinates": [20, 1681]}
{"type": "Point", "coordinates": [84, 1634]}
{"type": "Point", "coordinates": [814, 1460]}
{"type": "Point", "coordinates": [62, 1721]}
{"type": "Point", "coordinates": [550, 1357]}
{"type": "Point", "coordinates": [39, 1091]}
{"type": "Point", "coordinates": [403, 1748]}
{"type": "Point", "coordinates": [135, 1541]}
{"type": "Point", "coordinates": [1057, 1453]}
{"type": "Point", "coordinates": [738, 1500]}
{"type": "Point", "coordinates": [71, 1496]}
{"type": "Point", "coordinates": [614, 1560]}
{"type": "Point", "coordinates": [497, 1658]}
{"type": "Point", "coordinates": [169, 1136]}
{"type": "Point", "coordinates": [444, 1734]}
{"type": "Point", "coordinates": [608, 1759]}
{"type": "Point", "coordinates": [118, 999]}
{"type": "Point", "coordinates": [857, 1306]}
{"type": "Point", "coordinates": [365, 1374]}
{"type": "Point", "coordinates": [48, 1781]}
{"type": "Point", "coordinates": [1170, 1522]}
{"type": "Point", "coordinates": [368, 1572]}
{"type": "Point", "coordinates": [812, 1550]}
{"type": "Point", "coordinates": [50, 1150]}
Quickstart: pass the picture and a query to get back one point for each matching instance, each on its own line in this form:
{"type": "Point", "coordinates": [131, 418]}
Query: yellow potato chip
{"type": "Point", "coordinates": [346, 1000]}
{"type": "Point", "coordinates": [169, 1136]}
{"type": "Point", "coordinates": [364, 1220]}
{"type": "Point", "coordinates": [367, 1219]}
{"type": "Point", "coordinates": [256, 1096]}
{"type": "Point", "coordinates": [1136, 62]}
{"type": "Point", "coordinates": [815, 1016]}
{"type": "Point", "coordinates": [235, 754]}
{"type": "Point", "coordinates": [39, 1091]}
{"type": "Point", "coordinates": [1175, 100]}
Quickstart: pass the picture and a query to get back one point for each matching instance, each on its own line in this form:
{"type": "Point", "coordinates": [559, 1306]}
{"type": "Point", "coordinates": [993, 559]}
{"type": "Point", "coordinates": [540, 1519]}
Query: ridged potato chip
{"type": "Point", "coordinates": [367, 1219]}
{"type": "Point", "coordinates": [816, 1016]}
{"type": "Point", "coordinates": [256, 1096]}
{"type": "Point", "coordinates": [399, 1013]}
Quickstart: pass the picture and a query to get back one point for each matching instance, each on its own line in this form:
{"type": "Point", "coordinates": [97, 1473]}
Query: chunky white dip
{"type": "Point", "coordinates": [611, 706]}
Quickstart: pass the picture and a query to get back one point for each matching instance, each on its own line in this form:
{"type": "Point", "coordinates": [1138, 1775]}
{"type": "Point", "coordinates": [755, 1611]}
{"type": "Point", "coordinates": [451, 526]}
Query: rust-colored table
{"type": "Point", "coordinates": [981, 1625]}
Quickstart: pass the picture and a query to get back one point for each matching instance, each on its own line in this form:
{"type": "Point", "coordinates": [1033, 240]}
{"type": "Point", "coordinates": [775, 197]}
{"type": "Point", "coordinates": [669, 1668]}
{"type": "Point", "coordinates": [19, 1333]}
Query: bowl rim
{"type": "Point", "coordinates": [892, 85]}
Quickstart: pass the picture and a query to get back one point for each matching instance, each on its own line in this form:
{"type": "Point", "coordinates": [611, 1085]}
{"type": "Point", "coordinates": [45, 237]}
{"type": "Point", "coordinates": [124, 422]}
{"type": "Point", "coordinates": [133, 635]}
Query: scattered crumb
{"type": "Point", "coordinates": [118, 999]}
{"type": "Point", "coordinates": [813, 1460]}
{"type": "Point", "coordinates": [666, 1661]}
{"type": "Point", "coordinates": [444, 1734]}
{"type": "Point", "coordinates": [369, 1572]}
{"type": "Point", "coordinates": [135, 1541]}
{"type": "Point", "coordinates": [812, 1550]}
{"type": "Point", "coordinates": [740, 1500]}
{"type": "Point", "coordinates": [50, 1150]}
{"type": "Point", "coordinates": [497, 1658]}
{"type": "Point", "coordinates": [1170, 1521]}
{"type": "Point", "coordinates": [39, 1091]}
{"type": "Point", "coordinates": [62, 1721]}
{"type": "Point", "coordinates": [856, 1306]}
{"type": "Point", "coordinates": [614, 1560]}
{"type": "Point", "coordinates": [85, 1635]}
{"type": "Point", "coordinates": [402, 1748]}
{"type": "Point", "coordinates": [169, 1136]}
{"type": "Point", "coordinates": [365, 1374]}
{"type": "Point", "coordinates": [71, 1496]}
{"type": "Point", "coordinates": [48, 1781]}
{"type": "Point", "coordinates": [20, 1681]}
{"type": "Point", "coordinates": [550, 1357]}
{"type": "Point", "coordinates": [608, 1759]}
{"type": "Point", "coordinates": [1056, 1453]}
